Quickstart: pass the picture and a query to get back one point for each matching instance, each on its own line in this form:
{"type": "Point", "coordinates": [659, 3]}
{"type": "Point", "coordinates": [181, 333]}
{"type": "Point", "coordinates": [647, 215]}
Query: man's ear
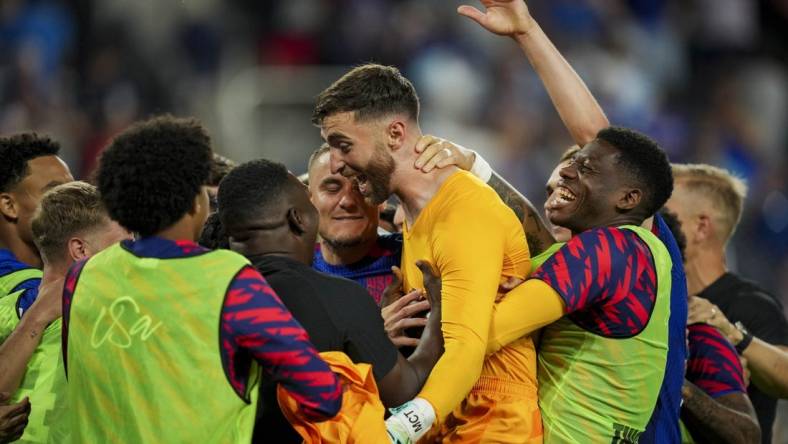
{"type": "Point", "coordinates": [196, 203]}
{"type": "Point", "coordinates": [8, 206]}
{"type": "Point", "coordinates": [629, 199]}
{"type": "Point", "coordinates": [78, 249]}
{"type": "Point", "coordinates": [296, 222]}
{"type": "Point", "coordinates": [704, 230]}
{"type": "Point", "coordinates": [395, 134]}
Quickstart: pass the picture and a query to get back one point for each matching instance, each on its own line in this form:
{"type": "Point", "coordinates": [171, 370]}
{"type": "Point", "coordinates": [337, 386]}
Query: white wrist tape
{"type": "Point", "coordinates": [414, 418]}
{"type": "Point", "coordinates": [481, 168]}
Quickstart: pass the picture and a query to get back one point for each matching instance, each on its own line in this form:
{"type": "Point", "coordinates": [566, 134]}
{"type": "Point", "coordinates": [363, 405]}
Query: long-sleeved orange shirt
{"type": "Point", "coordinates": [474, 240]}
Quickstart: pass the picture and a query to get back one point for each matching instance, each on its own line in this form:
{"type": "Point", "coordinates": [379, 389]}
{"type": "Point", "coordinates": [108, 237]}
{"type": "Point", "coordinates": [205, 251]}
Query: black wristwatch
{"type": "Point", "coordinates": [746, 337]}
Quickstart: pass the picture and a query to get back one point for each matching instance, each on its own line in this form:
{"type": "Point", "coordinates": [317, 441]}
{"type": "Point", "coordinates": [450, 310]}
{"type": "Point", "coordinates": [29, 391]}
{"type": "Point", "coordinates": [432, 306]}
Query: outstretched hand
{"type": "Point", "coordinates": [505, 17]}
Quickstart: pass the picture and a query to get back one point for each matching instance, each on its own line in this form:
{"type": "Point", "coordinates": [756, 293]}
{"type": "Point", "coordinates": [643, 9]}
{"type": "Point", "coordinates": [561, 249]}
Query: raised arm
{"type": "Point", "coordinates": [255, 320]}
{"type": "Point", "coordinates": [578, 109]}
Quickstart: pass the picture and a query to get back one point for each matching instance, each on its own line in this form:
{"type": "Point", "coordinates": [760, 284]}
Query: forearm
{"type": "Point", "coordinates": [712, 421]}
{"type": "Point", "coordinates": [768, 366]}
{"type": "Point", "coordinates": [16, 351]}
{"type": "Point", "coordinates": [536, 233]}
{"type": "Point", "coordinates": [408, 376]}
{"type": "Point", "coordinates": [527, 308]}
{"type": "Point", "coordinates": [453, 376]}
{"type": "Point", "coordinates": [576, 106]}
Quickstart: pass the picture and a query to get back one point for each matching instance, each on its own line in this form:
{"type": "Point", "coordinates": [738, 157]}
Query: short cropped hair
{"type": "Point", "coordinates": [249, 190]}
{"type": "Point", "coordinates": [220, 166]}
{"type": "Point", "coordinates": [569, 153]}
{"type": "Point", "coordinates": [370, 91]}
{"type": "Point", "coordinates": [645, 163]}
{"type": "Point", "coordinates": [324, 148]}
{"type": "Point", "coordinates": [150, 174]}
{"type": "Point", "coordinates": [723, 191]}
{"type": "Point", "coordinates": [66, 211]}
{"type": "Point", "coordinates": [16, 151]}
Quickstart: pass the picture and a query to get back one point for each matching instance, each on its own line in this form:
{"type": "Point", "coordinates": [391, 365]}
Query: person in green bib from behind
{"type": "Point", "coordinates": [603, 297]}
{"type": "Point", "coordinates": [163, 340]}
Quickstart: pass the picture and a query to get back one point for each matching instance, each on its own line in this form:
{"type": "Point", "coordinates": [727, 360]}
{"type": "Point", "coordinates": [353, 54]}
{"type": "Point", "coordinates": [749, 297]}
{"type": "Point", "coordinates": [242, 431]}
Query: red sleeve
{"type": "Point", "coordinates": [256, 325]}
{"type": "Point", "coordinates": [607, 280]}
{"type": "Point", "coordinates": [713, 363]}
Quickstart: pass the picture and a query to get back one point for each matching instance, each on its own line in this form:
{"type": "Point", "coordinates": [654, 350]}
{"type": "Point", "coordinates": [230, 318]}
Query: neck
{"type": "Point", "coordinates": [341, 255]}
{"type": "Point", "coordinates": [703, 268]}
{"type": "Point", "coordinates": [24, 253]}
{"type": "Point", "coordinates": [277, 243]}
{"type": "Point", "coordinates": [616, 221]}
{"type": "Point", "coordinates": [181, 230]}
{"type": "Point", "coordinates": [295, 255]}
{"type": "Point", "coordinates": [415, 189]}
{"type": "Point", "coordinates": [54, 271]}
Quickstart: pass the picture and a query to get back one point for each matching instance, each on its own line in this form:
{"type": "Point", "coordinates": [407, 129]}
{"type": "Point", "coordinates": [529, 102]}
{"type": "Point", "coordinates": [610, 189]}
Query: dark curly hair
{"type": "Point", "coordinates": [249, 190]}
{"type": "Point", "coordinates": [213, 235]}
{"type": "Point", "coordinates": [150, 174]}
{"type": "Point", "coordinates": [370, 91]}
{"type": "Point", "coordinates": [645, 163]}
{"type": "Point", "coordinates": [220, 166]}
{"type": "Point", "coordinates": [16, 151]}
{"type": "Point", "coordinates": [674, 225]}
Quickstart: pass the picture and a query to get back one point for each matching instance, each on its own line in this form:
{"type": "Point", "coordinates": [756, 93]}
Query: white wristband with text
{"type": "Point", "coordinates": [410, 421]}
{"type": "Point", "coordinates": [481, 168]}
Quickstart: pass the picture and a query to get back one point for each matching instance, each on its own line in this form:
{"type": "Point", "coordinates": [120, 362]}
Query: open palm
{"type": "Point", "coordinates": [506, 17]}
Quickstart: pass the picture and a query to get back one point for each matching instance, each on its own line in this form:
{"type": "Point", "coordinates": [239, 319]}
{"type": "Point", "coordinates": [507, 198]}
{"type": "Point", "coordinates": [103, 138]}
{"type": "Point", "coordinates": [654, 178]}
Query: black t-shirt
{"type": "Point", "coordinates": [338, 315]}
{"type": "Point", "coordinates": [762, 314]}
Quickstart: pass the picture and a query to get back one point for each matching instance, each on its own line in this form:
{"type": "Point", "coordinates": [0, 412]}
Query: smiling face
{"type": "Point", "coordinates": [358, 152]}
{"type": "Point", "coordinates": [560, 233]}
{"type": "Point", "coordinates": [589, 191]}
{"type": "Point", "coordinates": [346, 218]}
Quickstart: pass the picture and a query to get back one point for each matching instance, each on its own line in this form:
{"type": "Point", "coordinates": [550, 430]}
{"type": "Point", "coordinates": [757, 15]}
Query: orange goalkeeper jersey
{"type": "Point", "coordinates": [475, 241]}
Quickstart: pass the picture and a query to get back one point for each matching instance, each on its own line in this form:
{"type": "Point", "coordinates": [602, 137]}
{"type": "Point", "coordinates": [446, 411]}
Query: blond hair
{"type": "Point", "coordinates": [65, 211]}
{"type": "Point", "coordinates": [723, 191]}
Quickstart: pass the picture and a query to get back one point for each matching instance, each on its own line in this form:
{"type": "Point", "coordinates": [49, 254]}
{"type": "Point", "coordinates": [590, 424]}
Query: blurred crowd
{"type": "Point", "coordinates": [708, 79]}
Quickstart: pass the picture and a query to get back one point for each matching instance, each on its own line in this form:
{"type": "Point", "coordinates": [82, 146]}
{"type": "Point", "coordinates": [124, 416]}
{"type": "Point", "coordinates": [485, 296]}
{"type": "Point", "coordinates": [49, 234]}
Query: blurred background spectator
{"type": "Point", "coordinates": [707, 78]}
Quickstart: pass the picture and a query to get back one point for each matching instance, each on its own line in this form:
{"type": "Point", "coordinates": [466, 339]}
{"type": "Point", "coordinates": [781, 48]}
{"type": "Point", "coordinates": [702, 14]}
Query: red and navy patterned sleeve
{"type": "Point", "coordinates": [713, 363]}
{"type": "Point", "coordinates": [607, 280]}
{"type": "Point", "coordinates": [68, 294]}
{"type": "Point", "coordinates": [256, 325]}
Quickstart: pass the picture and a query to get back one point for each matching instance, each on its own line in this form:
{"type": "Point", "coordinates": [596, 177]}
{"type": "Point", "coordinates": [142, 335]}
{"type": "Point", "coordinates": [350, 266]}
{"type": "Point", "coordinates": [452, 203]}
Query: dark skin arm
{"type": "Point", "coordinates": [404, 381]}
{"type": "Point", "coordinates": [726, 419]}
{"type": "Point", "coordinates": [13, 418]}
{"type": "Point", "coordinates": [536, 233]}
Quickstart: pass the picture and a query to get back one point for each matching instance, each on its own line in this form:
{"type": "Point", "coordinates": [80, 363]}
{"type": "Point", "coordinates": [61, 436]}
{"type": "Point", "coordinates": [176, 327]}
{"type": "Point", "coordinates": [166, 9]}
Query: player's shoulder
{"type": "Point", "coordinates": [463, 184]}
{"type": "Point", "coordinates": [618, 237]}
{"type": "Point", "coordinates": [342, 290]}
{"type": "Point", "coordinates": [700, 330]}
{"type": "Point", "coordinates": [9, 263]}
{"type": "Point", "coordinates": [463, 194]}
